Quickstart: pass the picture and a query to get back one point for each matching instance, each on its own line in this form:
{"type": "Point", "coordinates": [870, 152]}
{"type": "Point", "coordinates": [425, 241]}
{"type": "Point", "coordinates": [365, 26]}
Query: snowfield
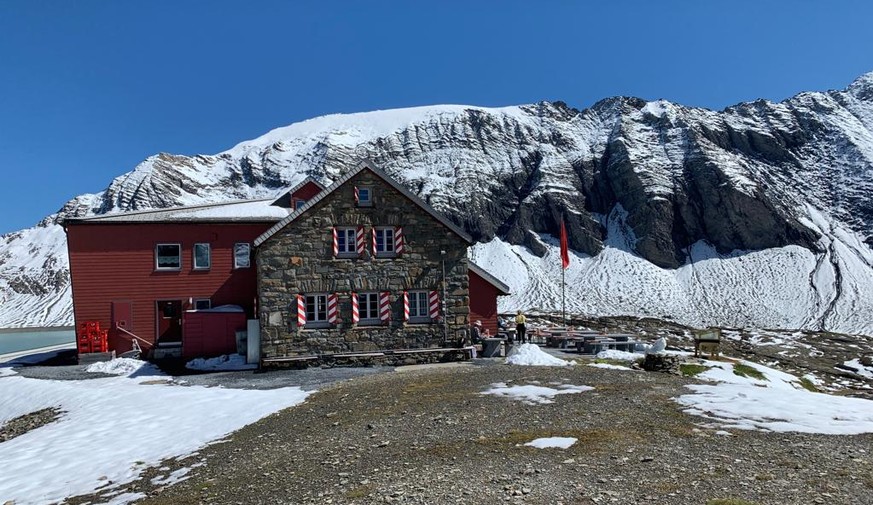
{"type": "Point", "coordinates": [111, 429]}
{"type": "Point", "coordinates": [775, 403]}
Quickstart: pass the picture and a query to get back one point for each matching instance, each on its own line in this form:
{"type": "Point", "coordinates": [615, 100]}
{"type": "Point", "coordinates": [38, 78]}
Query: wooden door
{"type": "Point", "coordinates": [122, 315]}
{"type": "Point", "coordinates": [169, 317]}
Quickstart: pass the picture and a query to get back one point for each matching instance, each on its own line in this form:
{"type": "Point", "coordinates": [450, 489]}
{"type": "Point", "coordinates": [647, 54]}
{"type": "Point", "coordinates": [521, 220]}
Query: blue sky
{"type": "Point", "coordinates": [89, 89]}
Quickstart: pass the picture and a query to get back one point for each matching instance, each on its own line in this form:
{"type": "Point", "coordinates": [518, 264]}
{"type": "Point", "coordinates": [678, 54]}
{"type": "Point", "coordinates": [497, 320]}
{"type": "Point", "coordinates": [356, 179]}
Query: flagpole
{"type": "Point", "coordinates": [563, 274]}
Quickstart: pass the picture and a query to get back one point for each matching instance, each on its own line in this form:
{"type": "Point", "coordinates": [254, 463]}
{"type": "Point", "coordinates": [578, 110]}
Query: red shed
{"type": "Point", "coordinates": [484, 290]}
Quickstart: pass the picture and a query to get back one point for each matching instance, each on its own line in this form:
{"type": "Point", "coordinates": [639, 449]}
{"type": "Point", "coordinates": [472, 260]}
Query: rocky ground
{"type": "Point", "coordinates": [22, 424]}
{"type": "Point", "coordinates": [425, 435]}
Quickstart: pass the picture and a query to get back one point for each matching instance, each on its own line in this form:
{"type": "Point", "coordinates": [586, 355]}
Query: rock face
{"type": "Point", "coordinates": [752, 177]}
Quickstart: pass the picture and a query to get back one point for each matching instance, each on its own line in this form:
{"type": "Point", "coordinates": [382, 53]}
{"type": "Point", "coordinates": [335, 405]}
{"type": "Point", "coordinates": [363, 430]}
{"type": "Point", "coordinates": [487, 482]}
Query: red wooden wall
{"type": "Point", "coordinates": [116, 263]}
{"type": "Point", "coordinates": [209, 334]}
{"type": "Point", "coordinates": [483, 302]}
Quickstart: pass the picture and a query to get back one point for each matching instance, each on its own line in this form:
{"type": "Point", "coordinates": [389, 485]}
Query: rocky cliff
{"type": "Point", "coordinates": [658, 183]}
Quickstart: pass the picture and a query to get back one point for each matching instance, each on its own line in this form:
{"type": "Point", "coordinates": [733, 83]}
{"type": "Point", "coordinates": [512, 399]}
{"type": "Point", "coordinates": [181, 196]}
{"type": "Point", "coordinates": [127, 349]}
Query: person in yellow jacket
{"type": "Point", "coordinates": [520, 321]}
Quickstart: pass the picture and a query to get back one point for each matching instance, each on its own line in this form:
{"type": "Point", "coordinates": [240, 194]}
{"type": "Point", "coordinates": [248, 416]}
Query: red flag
{"type": "Point", "coordinates": [565, 252]}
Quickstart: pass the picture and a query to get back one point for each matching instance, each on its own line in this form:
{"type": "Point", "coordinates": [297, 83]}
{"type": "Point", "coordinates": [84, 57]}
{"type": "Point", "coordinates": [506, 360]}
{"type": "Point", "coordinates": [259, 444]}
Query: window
{"type": "Point", "coordinates": [299, 203]}
{"type": "Point", "coordinates": [316, 309]}
{"type": "Point", "coordinates": [202, 259]}
{"type": "Point", "coordinates": [168, 256]}
{"type": "Point", "coordinates": [364, 196]}
{"type": "Point", "coordinates": [384, 241]}
{"type": "Point", "coordinates": [202, 304]}
{"type": "Point", "coordinates": [418, 307]}
{"type": "Point", "coordinates": [241, 255]}
{"type": "Point", "coordinates": [345, 239]}
{"type": "Point", "coordinates": [368, 308]}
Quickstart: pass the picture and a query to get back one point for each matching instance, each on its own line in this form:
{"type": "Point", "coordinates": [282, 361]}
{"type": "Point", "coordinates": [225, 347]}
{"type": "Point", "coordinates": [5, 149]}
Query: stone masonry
{"type": "Point", "coordinates": [298, 259]}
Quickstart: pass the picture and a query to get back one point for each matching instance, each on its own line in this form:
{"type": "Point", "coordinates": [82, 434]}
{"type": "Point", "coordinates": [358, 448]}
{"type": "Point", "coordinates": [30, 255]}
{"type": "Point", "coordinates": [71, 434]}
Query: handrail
{"type": "Point", "coordinates": [132, 335]}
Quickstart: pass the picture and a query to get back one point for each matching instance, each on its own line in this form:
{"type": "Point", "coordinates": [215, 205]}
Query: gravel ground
{"type": "Point", "coordinates": [425, 435]}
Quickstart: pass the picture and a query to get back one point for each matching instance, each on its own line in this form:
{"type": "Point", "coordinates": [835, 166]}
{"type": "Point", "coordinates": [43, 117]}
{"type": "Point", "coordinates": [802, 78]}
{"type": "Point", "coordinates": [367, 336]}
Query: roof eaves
{"type": "Point", "coordinates": [345, 178]}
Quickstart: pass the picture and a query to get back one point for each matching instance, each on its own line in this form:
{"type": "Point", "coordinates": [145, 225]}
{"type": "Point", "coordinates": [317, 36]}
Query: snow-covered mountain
{"type": "Point", "coordinates": [758, 215]}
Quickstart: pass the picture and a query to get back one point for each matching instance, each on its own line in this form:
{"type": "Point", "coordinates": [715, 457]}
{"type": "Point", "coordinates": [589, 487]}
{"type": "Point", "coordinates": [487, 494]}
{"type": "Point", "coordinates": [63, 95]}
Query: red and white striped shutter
{"type": "Point", "coordinates": [301, 311]}
{"type": "Point", "coordinates": [398, 240]}
{"type": "Point", "coordinates": [359, 240]}
{"type": "Point", "coordinates": [356, 314]}
{"type": "Point", "coordinates": [406, 305]}
{"type": "Point", "coordinates": [332, 310]}
{"type": "Point", "coordinates": [357, 196]}
{"type": "Point", "coordinates": [384, 307]}
{"type": "Point", "coordinates": [335, 243]}
{"type": "Point", "coordinates": [374, 241]}
{"type": "Point", "coordinates": [434, 304]}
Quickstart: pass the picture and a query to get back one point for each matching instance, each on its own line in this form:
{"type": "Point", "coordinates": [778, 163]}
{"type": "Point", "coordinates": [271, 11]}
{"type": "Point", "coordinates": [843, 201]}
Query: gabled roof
{"type": "Point", "coordinates": [364, 165]}
{"type": "Point", "coordinates": [286, 196]}
{"type": "Point", "coordinates": [242, 211]}
{"type": "Point", "coordinates": [490, 279]}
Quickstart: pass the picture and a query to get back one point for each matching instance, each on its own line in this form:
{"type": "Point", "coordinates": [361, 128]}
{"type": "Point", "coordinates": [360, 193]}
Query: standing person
{"type": "Point", "coordinates": [520, 321]}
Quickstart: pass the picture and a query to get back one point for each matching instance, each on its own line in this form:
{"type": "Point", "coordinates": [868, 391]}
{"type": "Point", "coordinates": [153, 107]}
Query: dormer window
{"type": "Point", "coordinates": [364, 196]}
{"type": "Point", "coordinates": [299, 203]}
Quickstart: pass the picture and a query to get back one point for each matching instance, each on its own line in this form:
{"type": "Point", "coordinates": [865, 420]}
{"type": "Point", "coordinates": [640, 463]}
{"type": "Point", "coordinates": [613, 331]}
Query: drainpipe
{"type": "Point", "coordinates": [445, 313]}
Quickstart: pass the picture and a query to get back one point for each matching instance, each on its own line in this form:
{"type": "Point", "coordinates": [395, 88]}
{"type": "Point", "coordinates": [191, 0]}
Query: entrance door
{"type": "Point", "coordinates": [169, 314]}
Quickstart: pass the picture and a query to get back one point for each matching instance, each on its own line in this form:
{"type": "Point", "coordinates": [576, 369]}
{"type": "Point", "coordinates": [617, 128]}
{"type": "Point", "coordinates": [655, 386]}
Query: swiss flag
{"type": "Point", "coordinates": [565, 252]}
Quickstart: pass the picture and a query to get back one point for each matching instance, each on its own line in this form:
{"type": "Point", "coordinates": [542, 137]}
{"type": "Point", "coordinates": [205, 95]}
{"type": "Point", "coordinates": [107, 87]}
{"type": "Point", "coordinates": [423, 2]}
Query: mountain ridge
{"type": "Point", "coordinates": [668, 177]}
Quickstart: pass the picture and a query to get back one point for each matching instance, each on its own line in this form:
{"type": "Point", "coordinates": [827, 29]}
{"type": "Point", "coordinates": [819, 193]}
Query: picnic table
{"type": "Point", "coordinates": [594, 344]}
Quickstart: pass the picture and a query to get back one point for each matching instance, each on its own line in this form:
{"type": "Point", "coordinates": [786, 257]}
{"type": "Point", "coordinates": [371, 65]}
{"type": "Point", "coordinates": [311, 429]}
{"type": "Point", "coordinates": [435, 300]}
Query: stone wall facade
{"type": "Point", "coordinates": [299, 259]}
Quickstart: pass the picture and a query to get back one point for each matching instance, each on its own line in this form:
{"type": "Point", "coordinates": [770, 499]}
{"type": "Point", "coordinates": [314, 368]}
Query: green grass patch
{"type": "Point", "coordinates": [691, 369]}
{"type": "Point", "coordinates": [747, 371]}
{"type": "Point", "coordinates": [808, 385]}
{"type": "Point", "coordinates": [730, 501]}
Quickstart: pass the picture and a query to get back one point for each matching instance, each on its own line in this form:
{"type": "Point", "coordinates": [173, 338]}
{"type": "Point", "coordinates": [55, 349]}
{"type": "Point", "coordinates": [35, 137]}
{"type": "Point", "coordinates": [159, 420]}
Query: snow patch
{"type": "Point", "coordinates": [552, 442]}
{"type": "Point", "coordinates": [113, 428]}
{"type": "Point", "coordinates": [532, 355]}
{"type": "Point", "coordinates": [777, 403]}
{"type": "Point", "coordinates": [124, 366]}
{"type": "Point", "coordinates": [224, 363]}
{"type": "Point", "coordinates": [532, 394]}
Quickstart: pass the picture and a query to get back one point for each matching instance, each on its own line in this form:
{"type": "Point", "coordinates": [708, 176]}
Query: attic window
{"type": "Point", "coordinates": [364, 196]}
{"type": "Point", "coordinates": [299, 203]}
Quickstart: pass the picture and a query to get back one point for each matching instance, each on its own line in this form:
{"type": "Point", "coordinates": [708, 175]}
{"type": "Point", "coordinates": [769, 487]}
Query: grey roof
{"type": "Point", "coordinates": [494, 281]}
{"type": "Point", "coordinates": [364, 165]}
{"type": "Point", "coordinates": [243, 211]}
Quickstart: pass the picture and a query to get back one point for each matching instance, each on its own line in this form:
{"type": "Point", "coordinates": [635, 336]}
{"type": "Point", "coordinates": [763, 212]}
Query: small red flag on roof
{"type": "Point", "coordinates": [565, 252]}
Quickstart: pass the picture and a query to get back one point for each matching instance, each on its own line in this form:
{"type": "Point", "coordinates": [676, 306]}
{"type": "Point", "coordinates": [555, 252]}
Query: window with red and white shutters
{"type": "Point", "coordinates": [368, 308]}
{"type": "Point", "coordinates": [383, 241]}
{"type": "Point", "coordinates": [345, 241]}
{"type": "Point", "coordinates": [418, 306]}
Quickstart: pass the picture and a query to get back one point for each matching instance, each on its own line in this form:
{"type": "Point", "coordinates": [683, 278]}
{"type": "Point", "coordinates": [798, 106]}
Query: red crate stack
{"type": "Point", "coordinates": [92, 338]}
